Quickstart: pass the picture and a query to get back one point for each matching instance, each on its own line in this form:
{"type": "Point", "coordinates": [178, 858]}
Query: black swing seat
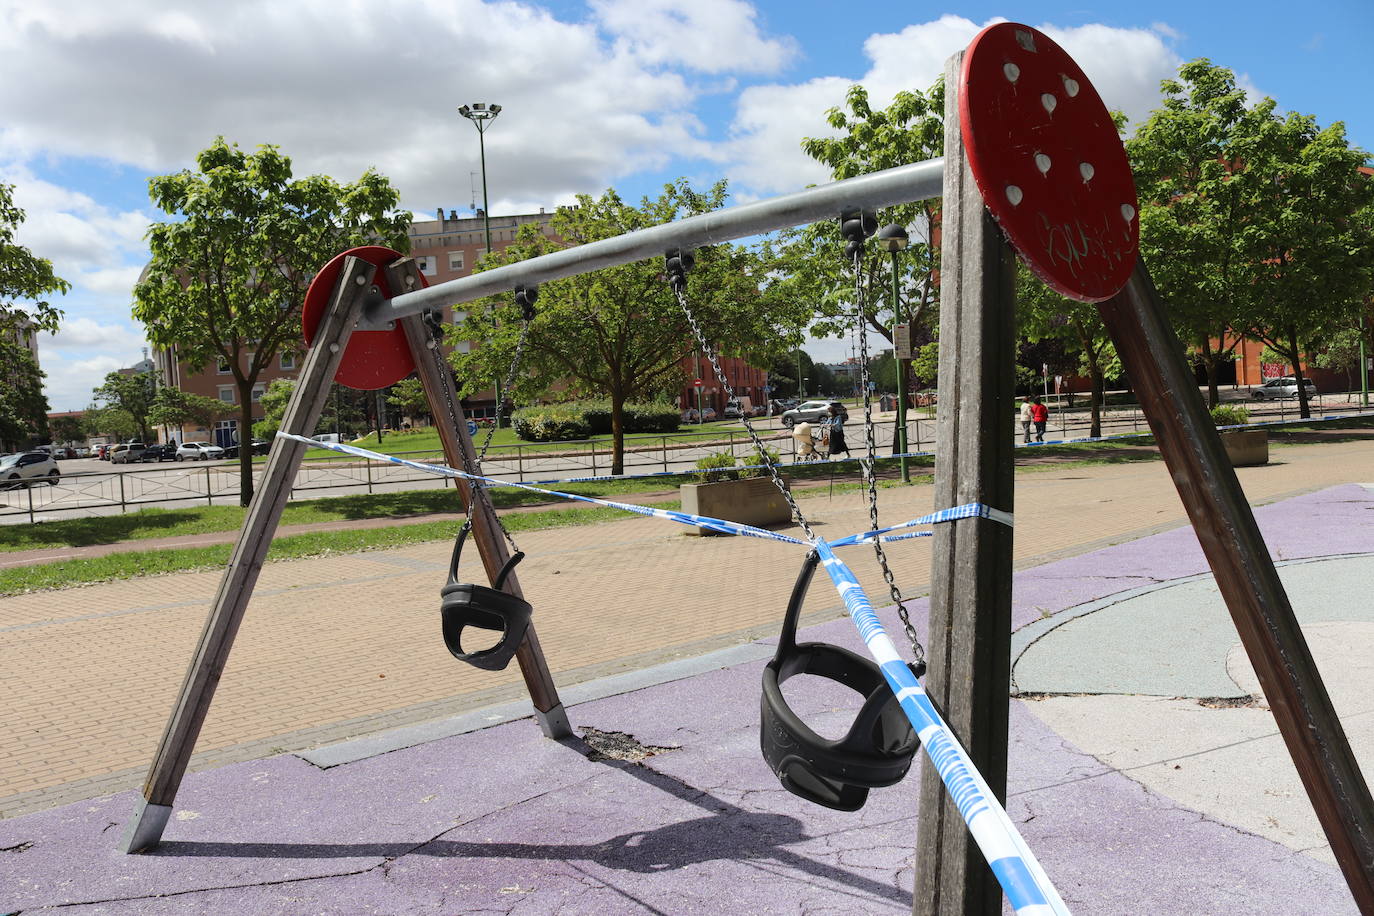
{"type": "Point", "coordinates": [468, 605]}
{"type": "Point", "coordinates": [876, 751]}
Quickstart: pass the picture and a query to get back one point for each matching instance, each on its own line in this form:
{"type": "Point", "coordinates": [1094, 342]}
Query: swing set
{"type": "Point", "coordinates": [1033, 163]}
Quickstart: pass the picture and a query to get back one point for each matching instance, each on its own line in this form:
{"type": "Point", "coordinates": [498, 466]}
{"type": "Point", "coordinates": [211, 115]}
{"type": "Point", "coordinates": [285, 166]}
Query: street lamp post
{"type": "Point", "coordinates": [894, 238]}
{"type": "Point", "coordinates": [481, 115]}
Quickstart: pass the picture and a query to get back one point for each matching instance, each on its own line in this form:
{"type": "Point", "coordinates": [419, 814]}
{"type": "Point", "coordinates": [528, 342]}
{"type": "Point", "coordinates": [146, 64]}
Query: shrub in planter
{"type": "Point", "coordinates": [717, 466]}
{"type": "Point", "coordinates": [1230, 415]}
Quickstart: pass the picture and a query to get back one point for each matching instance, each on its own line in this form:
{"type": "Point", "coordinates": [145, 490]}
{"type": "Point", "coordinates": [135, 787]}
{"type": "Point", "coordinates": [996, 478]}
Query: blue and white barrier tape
{"type": "Point", "coordinates": [970, 510]}
{"type": "Point", "coordinates": [1023, 880]}
{"type": "Point", "coordinates": [700, 521]}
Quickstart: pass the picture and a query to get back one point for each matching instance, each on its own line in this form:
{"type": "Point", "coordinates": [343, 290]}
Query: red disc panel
{"type": "Point", "coordinates": [1049, 162]}
{"type": "Point", "coordinates": [373, 359]}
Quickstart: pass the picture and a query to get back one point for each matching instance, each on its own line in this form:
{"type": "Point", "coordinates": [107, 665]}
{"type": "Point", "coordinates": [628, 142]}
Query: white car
{"type": "Point", "coordinates": [23, 469]}
{"type": "Point", "coordinates": [1286, 387]}
{"type": "Point", "coordinates": [199, 451]}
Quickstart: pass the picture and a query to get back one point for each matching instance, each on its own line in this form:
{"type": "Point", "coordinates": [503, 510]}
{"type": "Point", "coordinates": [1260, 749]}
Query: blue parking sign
{"type": "Point", "coordinates": [472, 427]}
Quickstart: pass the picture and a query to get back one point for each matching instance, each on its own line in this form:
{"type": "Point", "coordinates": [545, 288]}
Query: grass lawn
{"type": "Point", "coordinates": [132, 564]}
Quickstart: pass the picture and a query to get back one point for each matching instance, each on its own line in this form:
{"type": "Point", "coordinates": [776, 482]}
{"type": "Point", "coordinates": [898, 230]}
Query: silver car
{"type": "Point", "coordinates": [199, 451]}
{"type": "Point", "coordinates": [810, 411]}
{"type": "Point", "coordinates": [1286, 387]}
{"type": "Point", "coordinates": [23, 469]}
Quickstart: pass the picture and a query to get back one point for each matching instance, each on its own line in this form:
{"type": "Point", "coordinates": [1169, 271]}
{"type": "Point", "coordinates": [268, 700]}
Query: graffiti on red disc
{"type": "Point", "coordinates": [372, 359]}
{"type": "Point", "coordinates": [1049, 162]}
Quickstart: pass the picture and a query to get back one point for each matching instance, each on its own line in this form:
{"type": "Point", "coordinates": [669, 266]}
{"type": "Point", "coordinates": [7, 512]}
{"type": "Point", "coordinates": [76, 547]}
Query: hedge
{"type": "Point", "coordinates": [580, 419]}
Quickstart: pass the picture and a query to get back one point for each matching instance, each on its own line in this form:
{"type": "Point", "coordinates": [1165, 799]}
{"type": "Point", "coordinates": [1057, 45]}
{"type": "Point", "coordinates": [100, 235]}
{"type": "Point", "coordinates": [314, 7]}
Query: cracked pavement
{"type": "Point", "coordinates": [1133, 801]}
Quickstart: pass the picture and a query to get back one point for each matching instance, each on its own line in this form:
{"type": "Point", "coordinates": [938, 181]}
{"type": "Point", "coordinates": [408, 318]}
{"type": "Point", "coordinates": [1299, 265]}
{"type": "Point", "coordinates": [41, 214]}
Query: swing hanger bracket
{"type": "Point", "coordinates": [856, 225]}
{"type": "Point", "coordinates": [677, 261]}
{"type": "Point", "coordinates": [525, 297]}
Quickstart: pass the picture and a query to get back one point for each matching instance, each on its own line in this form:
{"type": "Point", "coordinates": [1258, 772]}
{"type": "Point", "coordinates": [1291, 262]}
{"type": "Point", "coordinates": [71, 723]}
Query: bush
{"type": "Point", "coordinates": [1230, 415]}
{"type": "Point", "coordinates": [551, 423]}
{"type": "Point", "coordinates": [717, 466]}
{"type": "Point", "coordinates": [593, 418]}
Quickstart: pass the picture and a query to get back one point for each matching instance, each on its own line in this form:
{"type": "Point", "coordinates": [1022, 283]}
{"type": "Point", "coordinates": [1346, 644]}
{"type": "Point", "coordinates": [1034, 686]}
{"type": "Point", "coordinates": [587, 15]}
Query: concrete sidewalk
{"type": "Point", "coordinates": [1141, 772]}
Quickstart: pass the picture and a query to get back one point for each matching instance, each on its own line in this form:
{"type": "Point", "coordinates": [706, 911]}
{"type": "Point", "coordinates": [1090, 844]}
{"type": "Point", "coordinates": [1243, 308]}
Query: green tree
{"type": "Point", "coordinates": [26, 281]}
{"type": "Point", "coordinates": [1251, 222]}
{"type": "Point", "coordinates": [274, 402]}
{"type": "Point", "coordinates": [68, 428]}
{"type": "Point", "coordinates": [1341, 353]}
{"type": "Point", "coordinates": [174, 407]}
{"type": "Point", "coordinates": [1043, 314]}
{"type": "Point", "coordinates": [109, 421]}
{"type": "Point", "coordinates": [618, 332]}
{"type": "Point", "coordinates": [133, 394]}
{"type": "Point", "coordinates": [229, 272]}
{"type": "Point", "coordinates": [811, 259]}
{"type": "Point", "coordinates": [408, 396]}
{"type": "Point", "coordinates": [23, 407]}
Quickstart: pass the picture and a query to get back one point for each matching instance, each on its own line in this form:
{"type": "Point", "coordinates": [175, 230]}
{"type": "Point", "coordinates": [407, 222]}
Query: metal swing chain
{"type": "Point", "coordinates": [869, 462]}
{"type": "Point", "coordinates": [677, 278]}
{"type": "Point", "coordinates": [525, 296]}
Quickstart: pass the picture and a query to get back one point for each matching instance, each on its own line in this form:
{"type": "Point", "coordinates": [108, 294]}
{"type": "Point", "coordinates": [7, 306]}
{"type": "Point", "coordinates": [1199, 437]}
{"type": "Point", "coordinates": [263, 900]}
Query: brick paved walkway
{"type": "Point", "coordinates": [338, 646]}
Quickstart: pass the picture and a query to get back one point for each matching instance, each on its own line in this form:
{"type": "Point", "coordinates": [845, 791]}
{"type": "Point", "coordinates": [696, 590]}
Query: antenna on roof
{"type": "Point", "coordinates": [472, 180]}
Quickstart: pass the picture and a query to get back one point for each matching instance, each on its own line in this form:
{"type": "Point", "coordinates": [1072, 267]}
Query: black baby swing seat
{"type": "Point", "coordinates": [470, 605]}
{"type": "Point", "coordinates": [876, 751]}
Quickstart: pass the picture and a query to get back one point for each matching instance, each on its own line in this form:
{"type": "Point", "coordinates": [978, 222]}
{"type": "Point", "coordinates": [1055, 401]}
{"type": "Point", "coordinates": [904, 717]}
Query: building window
{"type": "Point", "coordinates": [288, 361]}
{"type": "Point", "coordinates": [257, 392]}
{"type": "Point", "coordinates": [226, 393]}
{"type": "Point", "coordinates": [455, 260]}
{"type": "Point", "coordinates": [463, 346]}
{"type": "Point", "coordinates": [222, 366]}
{"type": "Point", "coordinates": [427, 266]}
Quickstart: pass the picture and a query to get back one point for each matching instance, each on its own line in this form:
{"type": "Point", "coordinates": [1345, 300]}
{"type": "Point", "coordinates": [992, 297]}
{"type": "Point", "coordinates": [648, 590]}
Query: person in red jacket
{"type": "Point", "coordinates": [1040, 415]}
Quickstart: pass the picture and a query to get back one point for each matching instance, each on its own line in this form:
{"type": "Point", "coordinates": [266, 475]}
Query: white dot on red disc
{"type": "Point", "coordinates": [1049, 101]}
{"type": "Point", "coordinates": [1042, 162]}
{"type": "Point", "coordinates": [1011, 71]}
{"type": "Point", "coordinates": [1070, 86]}
{"type": "Point", "coordinates": [1127, 212]}
{"type": "Point", "coordinates": [1086, 170]}
{"type": "Point", "coordinates": [1014, 195]}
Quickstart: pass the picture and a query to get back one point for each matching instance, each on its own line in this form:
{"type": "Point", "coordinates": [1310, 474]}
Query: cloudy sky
{"type": "Point", "coordinates": [95, 97]}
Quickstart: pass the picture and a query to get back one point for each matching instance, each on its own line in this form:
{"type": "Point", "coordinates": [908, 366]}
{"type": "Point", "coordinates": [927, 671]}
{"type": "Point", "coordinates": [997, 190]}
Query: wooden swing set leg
{"type": "Point", "coordinates": [970, 600]}
{"type": "Point", "coordinates": [1225, 526]}
{"type": "Point", "coordinates": [459, 452]}
{"type": "Point", "coordinates": [144, 829]}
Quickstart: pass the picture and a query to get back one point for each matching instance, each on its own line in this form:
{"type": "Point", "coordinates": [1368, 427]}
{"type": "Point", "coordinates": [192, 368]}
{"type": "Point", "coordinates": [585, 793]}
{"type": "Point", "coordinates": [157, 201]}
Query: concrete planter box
{"type": "Point", "coordinates": [1246, 447]}
{"type": "Point", "coordinates": [751, 501]}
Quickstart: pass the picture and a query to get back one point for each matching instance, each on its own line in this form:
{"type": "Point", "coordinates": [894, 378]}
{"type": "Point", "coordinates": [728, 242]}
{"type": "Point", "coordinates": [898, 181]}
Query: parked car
{"type": "Point", "coordinates": [1286, 387]}
{"type": "Point", "coordinates": [22, 469]}
{"type": "Point", "coordinates": [260, 447]}
{"type": "Point", "coordinates": [161, 452]}
{"type": "Point", "coordinates": [689, 415]}
{"type": "Point", "coordinates": [708, 413]}
{"type": "Point", "coordinates": [199, 451]}
{"type": "Point", "coordinates": [126, 452]}
{"type": "Point", "coordinates": [810, 411]}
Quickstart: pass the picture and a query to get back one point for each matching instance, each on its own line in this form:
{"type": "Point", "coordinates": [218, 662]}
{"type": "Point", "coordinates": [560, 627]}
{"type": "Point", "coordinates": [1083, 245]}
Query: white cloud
{"type": "Point", "coordinates": [1126, 66]}
{"type": "Point", "coordinates": [72, 230]}
{"type": "Point", "coordinates": [88, 334]}
{"type": "Point", "coordinates": [344, 87]}
{"type": "Point", "coordinates": [69, 383]}
{"type": "Point", "coordinates": [711, 36]}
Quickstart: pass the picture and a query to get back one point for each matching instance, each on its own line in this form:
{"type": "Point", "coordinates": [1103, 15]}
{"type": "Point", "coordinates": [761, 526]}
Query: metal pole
{"type": "Point", "coordinates": [1364, 369]}
{"type": "Point", "coordinates": [901, 378]}
{"type": "Point", "coordinates": [486, 204]}
{"type": "Point", "coordinates": [904, 184]}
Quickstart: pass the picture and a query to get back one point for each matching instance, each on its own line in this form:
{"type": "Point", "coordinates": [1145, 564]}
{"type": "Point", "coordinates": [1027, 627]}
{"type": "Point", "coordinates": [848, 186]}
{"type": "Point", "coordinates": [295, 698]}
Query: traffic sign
{"type": "Point", "coordinates": [472, 427]}
{"type": "Point", "coordinates": [696, 383]}
{"type": "Point", "coordinates": [901, 341]}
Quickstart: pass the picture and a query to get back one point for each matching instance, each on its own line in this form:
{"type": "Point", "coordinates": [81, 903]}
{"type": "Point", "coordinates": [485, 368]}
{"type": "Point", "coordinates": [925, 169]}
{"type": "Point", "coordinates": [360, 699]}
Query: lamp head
{"type": "Point", "coordinates": [892, 237]}
{"type": "Point", "coordinates": [479, 111]}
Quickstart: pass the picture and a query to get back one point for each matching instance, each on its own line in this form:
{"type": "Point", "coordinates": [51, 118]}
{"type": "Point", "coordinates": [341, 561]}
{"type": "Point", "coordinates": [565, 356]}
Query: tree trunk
{"type": "Point", "coordinates": [1209, 364]}
{"type": "Point", "coordinates": [617, 431]}
{"type": "Point", "coordinates": [1304, 409]}
{"type": "Point", "coordinates": [245, 442]}
{"type": "Point", "coordinates": [1099, 396]}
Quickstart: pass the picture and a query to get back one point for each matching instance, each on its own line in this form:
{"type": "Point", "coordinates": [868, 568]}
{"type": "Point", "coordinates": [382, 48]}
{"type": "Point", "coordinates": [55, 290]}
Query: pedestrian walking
{"type": "Point", "coordinates": [836, 425]}
{"type": "Point", "coordinates": [1040, 415]}
{"type": "Point", "coordinates": [1026, 420]}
